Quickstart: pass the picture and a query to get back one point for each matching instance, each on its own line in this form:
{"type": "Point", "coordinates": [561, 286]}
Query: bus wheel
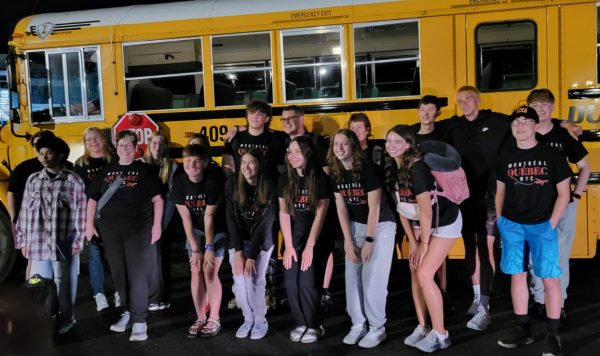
{"type": "Point", "coordinates": [7, 249]}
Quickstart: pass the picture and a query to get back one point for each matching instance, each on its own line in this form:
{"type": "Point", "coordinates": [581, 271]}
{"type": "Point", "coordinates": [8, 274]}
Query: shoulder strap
{"type": "Point", "coordinates": [109, 192]}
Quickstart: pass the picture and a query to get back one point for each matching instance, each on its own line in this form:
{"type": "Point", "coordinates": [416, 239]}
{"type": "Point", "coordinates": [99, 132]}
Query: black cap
{"type": "Point", "coordinates": [526, 112]}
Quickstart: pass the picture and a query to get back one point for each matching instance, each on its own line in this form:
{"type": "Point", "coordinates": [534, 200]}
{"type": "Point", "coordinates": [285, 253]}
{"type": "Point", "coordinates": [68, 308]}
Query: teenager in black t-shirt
{"type": "Point", "coordinates": [549, 132]}
{"type": "Point", "coordinates": [258, 136]}
{"type": "Point", "coordinates": [532, 193]}
{"type": "Point", "coordinates": [360, 124]}
{"type": "Point", "coordinates": [251, 207]}
{"type": "Point", "coordinates": [432, 224]}
{"type": "Point", "coordinates": [95, 156]}
{"type": "Point", "coordinates": [426, 129]}
{"type": "Point", "coordinates": [303, 198]}
{"type": "Point", "coordinates": [369, 230]}
{"type": "Point", "coordinates": [130, 225]}
{"type": "Point", "coordinates": [199, 199]}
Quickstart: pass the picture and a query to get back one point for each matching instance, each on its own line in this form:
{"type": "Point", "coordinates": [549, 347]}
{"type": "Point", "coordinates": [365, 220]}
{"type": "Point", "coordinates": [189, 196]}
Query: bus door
{"type": "Point", "coordinates": [507, 55]}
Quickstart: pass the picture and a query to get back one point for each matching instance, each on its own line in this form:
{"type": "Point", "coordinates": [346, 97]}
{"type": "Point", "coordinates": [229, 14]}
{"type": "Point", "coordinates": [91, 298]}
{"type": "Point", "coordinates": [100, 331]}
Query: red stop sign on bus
{"type": "Point", "coordinates": [139, 123]}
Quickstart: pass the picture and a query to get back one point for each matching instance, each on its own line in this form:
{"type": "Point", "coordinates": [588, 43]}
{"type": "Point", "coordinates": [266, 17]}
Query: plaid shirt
{"type": "Point", "coordinates": [53, 214]}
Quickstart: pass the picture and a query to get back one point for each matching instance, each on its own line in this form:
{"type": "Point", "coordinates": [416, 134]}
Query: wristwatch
{"type": "Point", "coordinates": [369, 239]}
{"type": "Point", "coordinates": [575, 195]}
{"type": "Point", "coordinates": [208, 247]}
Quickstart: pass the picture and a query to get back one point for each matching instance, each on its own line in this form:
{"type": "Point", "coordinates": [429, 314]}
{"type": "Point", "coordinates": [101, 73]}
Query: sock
{"type": "Point", "coordinates": [476, 291]}
{"type": "Point", "coordinates": [522, 319]}
{"type": "Point", "coordinates": [552, 325]}
{"type": "Point", "coordinates": [484, 301]}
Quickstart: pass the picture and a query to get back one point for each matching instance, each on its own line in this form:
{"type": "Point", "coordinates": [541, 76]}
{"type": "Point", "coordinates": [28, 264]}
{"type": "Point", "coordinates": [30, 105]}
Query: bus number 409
{"type": "Point", "coordinates": [214, 133]}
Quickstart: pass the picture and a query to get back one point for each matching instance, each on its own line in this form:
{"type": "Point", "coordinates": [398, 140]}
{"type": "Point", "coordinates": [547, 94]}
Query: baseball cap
{"type": "Point", "coordinates": [526, 112]}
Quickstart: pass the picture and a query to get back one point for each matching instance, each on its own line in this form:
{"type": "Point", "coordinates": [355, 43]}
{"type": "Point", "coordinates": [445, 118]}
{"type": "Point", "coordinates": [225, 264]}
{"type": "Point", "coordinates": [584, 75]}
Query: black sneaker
{"type": "Point", "coordinates": [552, 345]}
{"type": "Point", "coordinates": [538, 311]}
{"type": "Point", "coordinates": [448, 306]}
{"type": "Point", "coordinates": [564, 322]}
{"type": "Point", "coordinates": [516, 336]}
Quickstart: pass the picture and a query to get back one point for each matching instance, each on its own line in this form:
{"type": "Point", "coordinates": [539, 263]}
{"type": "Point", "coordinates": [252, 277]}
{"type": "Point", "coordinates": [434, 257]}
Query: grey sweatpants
{"type": "Point", "coordinates": [566, 234]}
{"type": "Point", "coordinates": [366, 284]}
{"type": "Point", "coordinates": [250, 291]}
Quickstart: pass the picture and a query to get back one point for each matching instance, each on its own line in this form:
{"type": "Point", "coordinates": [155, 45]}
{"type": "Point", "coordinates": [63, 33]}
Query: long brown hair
{"type": "Point", "coordinates": [309, 172]}
{"type": "Point", "coordinates": [84, 160]}
{"type": "Point", "coordinates": [336, 169]}
{"type": "Point", "coordinates": [401, 180]}
{"type": "Point", "coordinates": [164, 163]}
{"type": "Point", "coordinates": [263, 186]}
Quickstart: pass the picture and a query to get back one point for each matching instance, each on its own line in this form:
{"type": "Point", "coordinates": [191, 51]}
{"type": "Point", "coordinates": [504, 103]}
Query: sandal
{"type": "Point", "coordinates": [211, 328]}
{"type": "Point", "coordinates": [196, 328]}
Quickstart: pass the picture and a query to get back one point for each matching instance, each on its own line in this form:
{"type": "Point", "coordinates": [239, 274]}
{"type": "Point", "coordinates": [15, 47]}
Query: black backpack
{"type": "Point", "coordinates": [44, 293]}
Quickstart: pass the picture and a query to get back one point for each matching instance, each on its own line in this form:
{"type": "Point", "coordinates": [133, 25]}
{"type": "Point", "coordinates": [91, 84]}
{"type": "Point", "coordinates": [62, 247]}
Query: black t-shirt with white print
{"type": "Point", "coordinates": [560, 139]}
{"type": "Point", "coordinates": [355, 194]}
{"type": "Point", "coordinates": [197, 196]}
{"type": "Point", "coordinates": [271, 143]}
{"type": "Point", "coordinates": [88, 172]}
{"type": "Point", "coordinates": [131, 207]}
{"type": "Point", "coordinates": [423, 181]}
{"type": "Point", "coordinates": [530, 177]}
{"type": "Point", "coordinates": [304, 216]}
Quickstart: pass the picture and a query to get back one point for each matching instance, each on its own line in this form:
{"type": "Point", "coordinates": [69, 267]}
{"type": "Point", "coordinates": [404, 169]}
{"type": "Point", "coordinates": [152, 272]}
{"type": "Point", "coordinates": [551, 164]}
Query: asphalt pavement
{"type": "Point", "coordinates": [167, 328]}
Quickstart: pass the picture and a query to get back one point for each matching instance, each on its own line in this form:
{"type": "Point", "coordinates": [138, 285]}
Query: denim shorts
{"type": "Point", "coordinates": [219, 243]}
{"type": "Point", "coordinates": [518, 240]}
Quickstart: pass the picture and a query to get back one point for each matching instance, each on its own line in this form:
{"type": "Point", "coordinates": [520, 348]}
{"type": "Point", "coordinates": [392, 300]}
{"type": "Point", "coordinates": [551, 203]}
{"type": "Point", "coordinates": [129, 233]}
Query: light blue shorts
{"type": "Point", "coordinates": [520, 240]}
{"type": "Point", "coordinates": [219, 244]}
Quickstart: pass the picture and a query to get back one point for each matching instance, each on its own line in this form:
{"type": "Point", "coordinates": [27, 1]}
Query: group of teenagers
{"type": "Point", "coordinates": [313, 191]}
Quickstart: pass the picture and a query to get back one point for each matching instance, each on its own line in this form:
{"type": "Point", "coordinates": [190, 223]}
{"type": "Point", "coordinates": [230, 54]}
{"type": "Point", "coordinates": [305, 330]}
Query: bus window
{"type": "Point", "coordinates": [64, 84]}
{"type": "Point", "coordinates": [164, 75]}
{"type": "Point", "coordinates": [392, 50]}
{"type": "Point", "coordinates": [242, 68]}
{"type": "Point", "coordinates": [506, 56]}
{"type": "Point", "coordinates": [312, 63]}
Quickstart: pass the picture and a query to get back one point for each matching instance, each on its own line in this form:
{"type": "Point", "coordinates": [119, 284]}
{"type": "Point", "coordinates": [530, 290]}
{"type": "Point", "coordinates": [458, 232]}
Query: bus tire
{"type": "Point", "coordinates": [7, 249]}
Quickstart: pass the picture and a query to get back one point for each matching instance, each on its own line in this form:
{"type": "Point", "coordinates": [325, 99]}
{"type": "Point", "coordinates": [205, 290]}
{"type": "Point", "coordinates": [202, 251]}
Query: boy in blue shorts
{"type": "Point", "coordinates": [532, 194]}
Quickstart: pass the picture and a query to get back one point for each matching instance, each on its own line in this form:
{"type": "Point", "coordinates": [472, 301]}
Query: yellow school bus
{"type": "Point", "coordinates": [191, 66]}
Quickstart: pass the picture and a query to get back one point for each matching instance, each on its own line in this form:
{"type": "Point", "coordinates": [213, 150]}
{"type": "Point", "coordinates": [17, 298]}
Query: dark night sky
{"type": "Point", "coordinates": [22, 8]}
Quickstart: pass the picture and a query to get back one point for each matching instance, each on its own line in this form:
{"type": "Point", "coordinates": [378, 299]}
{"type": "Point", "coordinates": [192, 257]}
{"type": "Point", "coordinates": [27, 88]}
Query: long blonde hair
{"type": "Point", "coordinates": [84, 160]}
{"type": "Point", "coordinates": [164, 163]}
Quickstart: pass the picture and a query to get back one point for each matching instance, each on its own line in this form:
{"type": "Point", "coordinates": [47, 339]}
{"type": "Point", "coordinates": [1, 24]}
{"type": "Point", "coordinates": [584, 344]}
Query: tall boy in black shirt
{"type": "Point", "coordinates": [532, 192]}
{"type": "Point", "coordinates": [550, 133]}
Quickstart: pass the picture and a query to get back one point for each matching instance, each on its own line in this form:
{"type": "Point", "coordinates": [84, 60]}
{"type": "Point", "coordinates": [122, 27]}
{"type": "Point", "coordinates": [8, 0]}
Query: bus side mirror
{"type": "Point", "coordinates": [15, 117]}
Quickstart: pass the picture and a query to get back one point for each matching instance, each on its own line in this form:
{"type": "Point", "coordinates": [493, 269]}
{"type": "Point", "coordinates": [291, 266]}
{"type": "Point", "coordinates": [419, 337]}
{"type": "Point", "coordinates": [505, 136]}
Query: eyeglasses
{"type": "Point", "coordinates": [289, 118]}
{"type": "Point", "coordinates": [522, 121]}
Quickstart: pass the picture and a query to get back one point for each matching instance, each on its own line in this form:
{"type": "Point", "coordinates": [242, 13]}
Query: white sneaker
{"type": "Point", "coordinates": [139, 332]}
{"type": "Point", "coordinates": [357, 332]}
{"type": "Point", "coordinates": [123, 324]}
{"type": "Point", "coordinates": [153, 307]}
{"type": "Point", "coordinates": [101, 302]}
{"type": "Point", "coordinates": [244, 330]}
{"type": "Point", "coordinates": [259, 330]}
{"type": "Point", "coordinates": [117, 300]}
{"type": "Point", "coordinates": [473, 308]}
{"type": "Point", "coordinates": [480, 321]}
{"type": "Point", "coordinates": [434, 342]}
{"type": "Point", "coordinates": [373, 338]}
{"type": "Point", "coordinates": [417, 335]}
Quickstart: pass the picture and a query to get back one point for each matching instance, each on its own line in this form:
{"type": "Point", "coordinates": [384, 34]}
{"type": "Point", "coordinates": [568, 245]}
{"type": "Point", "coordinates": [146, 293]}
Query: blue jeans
{"type": "Point", "coordinates": [96, 268]}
